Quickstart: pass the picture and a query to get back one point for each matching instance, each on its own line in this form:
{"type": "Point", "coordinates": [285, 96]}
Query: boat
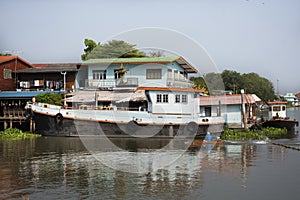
{"type": "Point", "coordinates": [278, 117]}
{"type": "Point", "coordinates": [147, 97]}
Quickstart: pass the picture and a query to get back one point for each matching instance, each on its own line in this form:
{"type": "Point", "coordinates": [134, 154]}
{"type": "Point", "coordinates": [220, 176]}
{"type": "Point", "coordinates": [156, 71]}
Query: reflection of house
{"type": "Point", "coordinates": [133, 72]}
{"type": "Point", "coordinates": [8, 66]}
{"type": "Point", "coordinates": [47, 77]}
{"type": "Point", "coordinates": [230, 107]}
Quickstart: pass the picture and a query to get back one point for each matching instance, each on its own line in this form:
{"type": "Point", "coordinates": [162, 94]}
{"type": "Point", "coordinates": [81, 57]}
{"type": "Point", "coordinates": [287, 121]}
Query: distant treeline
{"type": "Point", "coordinates": [252, 83]}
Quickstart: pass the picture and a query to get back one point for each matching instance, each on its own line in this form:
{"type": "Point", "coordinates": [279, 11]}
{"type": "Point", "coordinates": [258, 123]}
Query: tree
{"type": "Point", "coordinates": [115, 49]}
{"type": "Point", "coordinates": [90, 45]}
{"type": "Point", "coordinates": [262, 87]}
{"type": "Point", "coordinates": [157, 53]}
{"type": "Point", "coordinates": [232, 80]}
{"type": "Point", "coordinates": [5, 54]}
{"type": "Point", "coordinates": [199, 83]}
{"type": "Point", "coordinates": [214, 82]}
{"type": "Point", "coordinates": [51, 98]}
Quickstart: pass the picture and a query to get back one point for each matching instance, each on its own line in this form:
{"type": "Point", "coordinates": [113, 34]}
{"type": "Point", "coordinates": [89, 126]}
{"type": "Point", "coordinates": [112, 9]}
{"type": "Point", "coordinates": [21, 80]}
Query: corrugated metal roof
{"type": "Point", "coordinates": [228, 99]}
{"type": "Point", "coordinates": [49, 69]}
{"type": "Point", "coordinates": [115, 96]}
{"type": "Point", "coordinates": [181, 61]}
{"type": "Point", "coordinates": [22, 94]}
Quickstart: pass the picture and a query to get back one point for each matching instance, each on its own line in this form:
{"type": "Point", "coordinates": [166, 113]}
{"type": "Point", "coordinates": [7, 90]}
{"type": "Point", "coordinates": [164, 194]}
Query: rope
{"type": "Point", "coordinates": [286, 146]}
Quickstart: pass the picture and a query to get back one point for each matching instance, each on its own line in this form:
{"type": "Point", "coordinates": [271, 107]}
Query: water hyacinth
{"type": "Point", "coordinates": [263, 134]}
{"type": "Point", "coordinates": [15, 134]}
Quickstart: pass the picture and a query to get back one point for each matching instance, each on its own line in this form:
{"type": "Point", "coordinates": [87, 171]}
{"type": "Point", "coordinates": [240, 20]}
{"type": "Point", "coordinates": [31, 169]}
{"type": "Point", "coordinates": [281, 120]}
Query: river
{"type": "Point", "coordinates": [65, 168]}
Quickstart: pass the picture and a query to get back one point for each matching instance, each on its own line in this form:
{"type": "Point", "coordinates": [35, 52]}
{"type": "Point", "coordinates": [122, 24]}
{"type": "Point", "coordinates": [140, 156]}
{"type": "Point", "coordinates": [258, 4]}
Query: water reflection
{"type": "Point", "coordinates": [63, 168]}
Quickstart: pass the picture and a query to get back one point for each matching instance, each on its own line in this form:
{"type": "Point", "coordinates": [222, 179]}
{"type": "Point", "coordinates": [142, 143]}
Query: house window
{"type": "Point", "coordinates": [153, 73]}
{"type": "Point", "coordinates": [176, 75]}
{"type": "Point", "coordinates": [170, 75]}
{"type": "Point", "coordinates": [99, 74]}
{"type": "Point", "coordinates": [162, 98]}
{"type": "Point", "coordinates": [184, 98]}
{"type": "Point", "coordinates": [165, 98]}
{"type": "Point", "coordinates": [177, 98]}
{"type": "Point", "coordinates": [181, 76]}
{"type": "Point", "coordinates": [7, 73]}
{"type": "Point", "coordinates": [158, 98]}
{"type": "Point", "coordinates": [117, 74]}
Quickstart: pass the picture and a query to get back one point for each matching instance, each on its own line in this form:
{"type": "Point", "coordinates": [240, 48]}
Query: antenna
{"type": "Point", "coordinates": [277, 87]}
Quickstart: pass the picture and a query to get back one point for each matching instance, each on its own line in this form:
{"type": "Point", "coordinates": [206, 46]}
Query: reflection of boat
{"type": "Point", "coordinates": [198, 143]}
{"type": "Point", "coordinates": [278, 117]}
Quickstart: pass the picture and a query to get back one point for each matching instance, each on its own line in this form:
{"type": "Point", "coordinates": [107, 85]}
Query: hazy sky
{"type": "Point", "coordinates": [261, 36]}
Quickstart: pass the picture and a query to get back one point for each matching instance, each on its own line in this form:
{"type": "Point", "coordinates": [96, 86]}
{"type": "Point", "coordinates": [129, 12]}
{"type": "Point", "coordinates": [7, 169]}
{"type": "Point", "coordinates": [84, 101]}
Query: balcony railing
{"type": "Point", "coordinates": [111, 83]}
{"type": "Point", "coordinates": [180, 83]}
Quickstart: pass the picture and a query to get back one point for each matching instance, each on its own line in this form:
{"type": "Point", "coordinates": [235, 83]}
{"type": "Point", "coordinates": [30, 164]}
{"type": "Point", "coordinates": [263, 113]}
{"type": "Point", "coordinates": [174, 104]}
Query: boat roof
{"type": "Point", "coordinates": [108, 96]}
{"type": "Point", "coordinates": [276, 102]}
{"type": "Point", "coordinates": [145, 60]}
{"type": "Point", "coordinates": [228, 99]}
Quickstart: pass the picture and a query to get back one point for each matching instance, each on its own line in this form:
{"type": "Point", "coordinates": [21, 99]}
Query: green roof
{"type": "Point", "coordinates": [182, 62]}
{"type": "Point", "coordinates": [131, 60]}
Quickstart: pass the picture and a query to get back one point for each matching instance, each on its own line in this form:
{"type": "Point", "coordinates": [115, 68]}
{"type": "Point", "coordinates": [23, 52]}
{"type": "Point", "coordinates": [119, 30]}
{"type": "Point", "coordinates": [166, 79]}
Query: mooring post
{"type": "Point", "coordinates": [30, 125]}
{"type": "Point", "coordinates": [5, 124]}
{"type": "Point", "coordinates": [10, 123]}
{"type": "Point", "coordinates": [171, 131]}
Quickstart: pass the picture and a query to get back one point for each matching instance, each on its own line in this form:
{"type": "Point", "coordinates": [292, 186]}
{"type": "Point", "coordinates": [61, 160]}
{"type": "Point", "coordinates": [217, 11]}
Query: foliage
{"type": "Point", "coordinates": [51, 98]}
{"type": "Point", "coordinates": [90, 45]}
{"type": "Point", "coordinates": [264, 133]}
{"type": "Point", "coordinates": [262, 87]}
{"type": "Point", "coordinates": [232, 81]}
{"type": "Point", "coordinates": [199, 83]}
{"type": "Point", "coordinates": [15, 134]}
{"type": "Point", "coordinates": [115, 49]}
{"type": "Point", "coordinates": [5, 54]}
{"type": "Point", "coordinates": [157, 53]}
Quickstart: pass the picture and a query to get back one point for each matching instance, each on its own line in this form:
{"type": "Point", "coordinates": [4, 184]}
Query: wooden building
{"type": "Point", "coordinates": [48, 77]}
{"type": "Point", "coordinates": [8, 66]}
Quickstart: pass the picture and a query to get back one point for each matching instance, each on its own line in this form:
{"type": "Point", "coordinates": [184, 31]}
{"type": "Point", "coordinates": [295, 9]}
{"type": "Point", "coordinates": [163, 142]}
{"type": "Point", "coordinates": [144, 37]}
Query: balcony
{"type": "Point", "coordinates": [183, 83]}
{"type": "Point", "coordinates": [111, 83]}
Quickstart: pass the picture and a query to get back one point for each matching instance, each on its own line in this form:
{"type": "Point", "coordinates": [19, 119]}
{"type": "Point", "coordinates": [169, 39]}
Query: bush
{"type": "Point", "coordinates": [51, 98]}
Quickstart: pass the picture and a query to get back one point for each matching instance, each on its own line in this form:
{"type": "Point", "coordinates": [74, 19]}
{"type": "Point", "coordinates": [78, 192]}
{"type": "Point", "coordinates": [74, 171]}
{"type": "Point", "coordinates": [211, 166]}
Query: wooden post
{"type": "Point", "coordinates": [10, 123]}
{"type": "Point", "coordinates": [5, 124]}
{"type": "Point", "coordinates": [30, 126]}
{"type": "Point", "coordinates": [171, 131]}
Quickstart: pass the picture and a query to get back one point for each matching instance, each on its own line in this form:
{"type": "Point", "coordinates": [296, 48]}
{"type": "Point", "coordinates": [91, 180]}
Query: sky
{"type": "Point", "coordinates": [261, 36]}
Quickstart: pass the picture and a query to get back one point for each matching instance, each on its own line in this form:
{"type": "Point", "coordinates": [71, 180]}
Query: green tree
{"type": "Point", "coordinates": [214, 82]}
{"type": "Point", "coordinates": [262, 87]}
{"type": "Point", "coordinates": [115, 49]}
{"type": "Point", "coordinates": [51, 98]}
{"type": "Point", "coordinates": [232, 80]}
{"type": "Point", "coordinates": [199, 83]}
{"type": "Point", "coordinates": [90, 45]}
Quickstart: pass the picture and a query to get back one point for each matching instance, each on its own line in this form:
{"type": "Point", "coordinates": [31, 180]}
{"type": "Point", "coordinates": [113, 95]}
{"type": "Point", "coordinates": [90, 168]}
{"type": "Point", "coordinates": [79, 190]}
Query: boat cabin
{"type": "Point", "coordinates": [277, 110]}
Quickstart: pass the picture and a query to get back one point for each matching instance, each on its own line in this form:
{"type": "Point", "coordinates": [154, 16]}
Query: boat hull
{"type": "Point", "coordinates": [282, 123]}
{"type": "Point", "coordinates": [48, 125]}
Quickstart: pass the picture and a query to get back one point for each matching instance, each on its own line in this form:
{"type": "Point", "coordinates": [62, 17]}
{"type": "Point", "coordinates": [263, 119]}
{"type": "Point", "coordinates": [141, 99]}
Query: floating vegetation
{"type": "Point", "coordinates": [16, 134]}
{"type": "Point", "coordinates": [263, 134]}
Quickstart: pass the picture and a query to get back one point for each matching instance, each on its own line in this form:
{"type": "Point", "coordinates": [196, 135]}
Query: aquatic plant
{"type": "Point", "coordinates": [263, 134]}
{"type": "Point", "coordinates": [15, 134]}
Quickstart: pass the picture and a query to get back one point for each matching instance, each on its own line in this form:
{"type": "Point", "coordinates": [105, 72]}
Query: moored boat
{"type": "Point", "coordinates": [278, 117]}
{"type": "Point", "coordinates": [149, 97]}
